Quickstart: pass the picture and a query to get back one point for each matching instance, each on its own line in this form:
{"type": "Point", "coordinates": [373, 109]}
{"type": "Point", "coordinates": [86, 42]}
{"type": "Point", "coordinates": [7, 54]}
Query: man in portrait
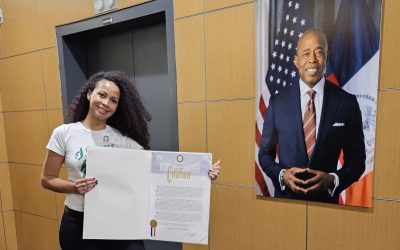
{"type": "Point", "coordinates": [307, 126]}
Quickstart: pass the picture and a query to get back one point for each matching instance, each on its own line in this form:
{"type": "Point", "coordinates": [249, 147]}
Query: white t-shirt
{"type": "Point", "coordinates": [71, 141]}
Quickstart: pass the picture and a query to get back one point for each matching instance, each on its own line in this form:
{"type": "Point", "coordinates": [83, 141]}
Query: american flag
{"type": "Point", "coordinates": [282, 72]}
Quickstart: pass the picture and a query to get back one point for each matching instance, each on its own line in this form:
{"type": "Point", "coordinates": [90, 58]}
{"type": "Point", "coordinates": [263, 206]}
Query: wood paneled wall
{"type": "Point", "coordinates": [215, 61]}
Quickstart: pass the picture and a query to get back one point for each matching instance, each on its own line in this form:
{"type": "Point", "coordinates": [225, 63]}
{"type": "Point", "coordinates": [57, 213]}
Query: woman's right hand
{"type": "Point", "coordinates": [84, 185]}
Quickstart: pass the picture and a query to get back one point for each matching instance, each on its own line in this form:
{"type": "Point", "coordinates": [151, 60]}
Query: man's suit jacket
{"type": "Point", "coordinates": [340, 128]}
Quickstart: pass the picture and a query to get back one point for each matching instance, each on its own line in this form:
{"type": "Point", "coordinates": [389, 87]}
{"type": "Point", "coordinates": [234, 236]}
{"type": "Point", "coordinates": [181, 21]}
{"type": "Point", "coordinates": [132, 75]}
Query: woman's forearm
{"type": "Point", "coordinates": [59, 185]}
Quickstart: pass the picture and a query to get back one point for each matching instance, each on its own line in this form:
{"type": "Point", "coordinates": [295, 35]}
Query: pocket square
{"type": "Point", "coordinates": [338, 124]}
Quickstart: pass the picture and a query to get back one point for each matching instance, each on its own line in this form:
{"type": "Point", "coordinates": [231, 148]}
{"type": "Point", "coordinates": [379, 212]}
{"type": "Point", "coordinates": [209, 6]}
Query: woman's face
{"type": "Point", "coordinates": [103, 100]}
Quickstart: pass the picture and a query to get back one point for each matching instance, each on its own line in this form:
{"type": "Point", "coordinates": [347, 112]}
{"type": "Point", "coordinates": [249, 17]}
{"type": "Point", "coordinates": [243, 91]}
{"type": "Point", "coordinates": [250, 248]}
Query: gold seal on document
{"type": "Point", "coordinates": [153, 223]}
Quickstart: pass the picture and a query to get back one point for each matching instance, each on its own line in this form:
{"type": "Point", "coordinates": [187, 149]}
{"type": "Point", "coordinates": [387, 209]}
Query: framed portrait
{"type": "Point", "coordinates": [316, 100]}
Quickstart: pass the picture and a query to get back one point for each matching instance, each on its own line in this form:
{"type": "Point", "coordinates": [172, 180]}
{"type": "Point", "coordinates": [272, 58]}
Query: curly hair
{"type": "Point", "coordinates": [131, 117]}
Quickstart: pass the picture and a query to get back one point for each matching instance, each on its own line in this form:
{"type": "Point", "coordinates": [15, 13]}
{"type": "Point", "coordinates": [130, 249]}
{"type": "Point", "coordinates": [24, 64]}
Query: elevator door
{"type": "Point", "coordinates": [141, 52]}
{"type": "Point", "coordinates": [139, 41]}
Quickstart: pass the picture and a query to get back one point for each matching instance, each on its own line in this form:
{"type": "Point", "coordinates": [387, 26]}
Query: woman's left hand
{"type": "Point", "coordinates": [215, 171]}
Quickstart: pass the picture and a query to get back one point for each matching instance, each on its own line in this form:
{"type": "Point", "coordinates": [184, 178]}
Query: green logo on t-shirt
{"type": "Point", "coordinates": [80, 156]}
{"type": "Point", "coordinates": [83, 168]}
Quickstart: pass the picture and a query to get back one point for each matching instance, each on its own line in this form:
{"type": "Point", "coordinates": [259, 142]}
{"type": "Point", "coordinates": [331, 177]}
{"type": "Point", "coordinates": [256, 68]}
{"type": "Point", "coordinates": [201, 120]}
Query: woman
{"type": "Point", "coordinates": [106, 112]}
